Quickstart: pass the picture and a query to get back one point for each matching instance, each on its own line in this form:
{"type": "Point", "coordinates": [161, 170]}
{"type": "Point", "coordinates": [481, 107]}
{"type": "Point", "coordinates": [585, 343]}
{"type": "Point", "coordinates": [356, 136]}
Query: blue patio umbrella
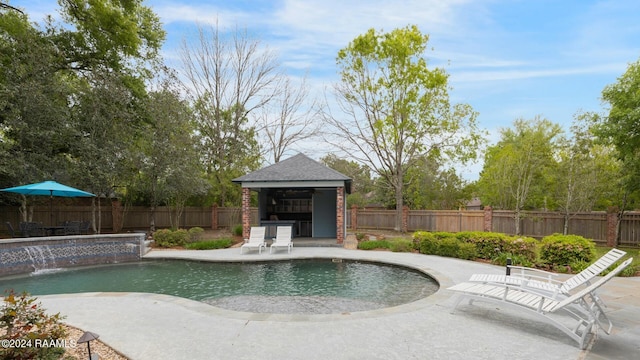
{"type": "Point", "coordinates": [48, 188]}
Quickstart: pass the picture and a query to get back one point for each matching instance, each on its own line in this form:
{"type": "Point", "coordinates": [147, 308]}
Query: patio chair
{"type": "Point", "coordinates": [12, 232]}
{"type": "Point", "coordinates": [255, 240]}
{"type": "Point", "coordinates": [85, 226]}
{"type": "Point", "coordinates": [282, 239]}
{"type": "Point", "coordinates": [581, 306]}
{"type": "Point", "coordinates": [543, 280]}
{"type": "Point", "coordinates": [30, 229]}
{"type": "Point", "coordinates": [71, 228]}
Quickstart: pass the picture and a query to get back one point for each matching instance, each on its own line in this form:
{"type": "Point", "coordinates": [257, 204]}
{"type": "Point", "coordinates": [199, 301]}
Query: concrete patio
{"type": "Point", "coordinates": [151, 326]}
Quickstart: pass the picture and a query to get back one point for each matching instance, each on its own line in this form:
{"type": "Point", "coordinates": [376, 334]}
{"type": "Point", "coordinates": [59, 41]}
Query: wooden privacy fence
{"type": "Point", "coordinates": [592, 225]}
{"type": "Point", "coordinates": [599, 226]}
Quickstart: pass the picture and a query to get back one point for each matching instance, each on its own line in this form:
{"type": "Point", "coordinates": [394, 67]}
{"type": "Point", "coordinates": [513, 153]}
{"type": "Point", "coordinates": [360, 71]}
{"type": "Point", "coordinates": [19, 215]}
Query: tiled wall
{"type": "Point", "coordinates": [26, 255]}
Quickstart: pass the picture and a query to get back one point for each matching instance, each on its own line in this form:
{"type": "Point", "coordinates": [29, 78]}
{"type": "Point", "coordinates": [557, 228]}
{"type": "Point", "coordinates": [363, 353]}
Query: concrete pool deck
{"type": "Point", "coordinates": [151, 326]}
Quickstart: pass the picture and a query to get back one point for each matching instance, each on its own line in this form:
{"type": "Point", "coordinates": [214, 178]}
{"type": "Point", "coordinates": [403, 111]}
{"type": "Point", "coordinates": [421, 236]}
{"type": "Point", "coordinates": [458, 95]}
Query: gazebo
{"type": "Point", "coordinates": [299, 192]}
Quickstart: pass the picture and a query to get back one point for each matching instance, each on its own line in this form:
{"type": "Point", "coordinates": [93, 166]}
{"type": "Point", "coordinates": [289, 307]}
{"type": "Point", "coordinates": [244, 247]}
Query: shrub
{"type": "Point", "coordinates": [488, 244]}
{"type": "Point", "coordinates": [562, 250]}
{"type": "Point", "coordinates": [22, 318]}
{"type": "Point", "coordinates": [448, 247]}
{"type": "Point", "coordinates": [425, 242]}
{"type": "Point", "coordinates": [195, 233]}
{"type": "Point", "coordinates": [237, 230]}
{"type": "Point", "coordinates": [169, 238]}
{"type": "Point", "coordinates": [373, 244]}
{"type": "Point", "coordinates": [522, 247]}
{"type": "Point", "coordinates": [400, 245]}
{"type": "Point", "coordinates": [444, 244]}
{"type": "Point", "coordinates": [210, 244]}
{"type": "Point", "coordinates": [517, 260]}
{"type": "Point", "coordinates": [467, 251]}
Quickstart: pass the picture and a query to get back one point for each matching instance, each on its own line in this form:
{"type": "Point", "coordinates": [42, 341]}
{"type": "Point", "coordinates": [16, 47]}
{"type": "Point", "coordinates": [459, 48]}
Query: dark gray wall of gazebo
{"type": "Point", "coordinates": [328, 213]}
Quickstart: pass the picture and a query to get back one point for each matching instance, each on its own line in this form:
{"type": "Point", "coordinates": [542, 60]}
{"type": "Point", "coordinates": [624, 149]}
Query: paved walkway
{"type": "Point", "coordinates": [150, 326]}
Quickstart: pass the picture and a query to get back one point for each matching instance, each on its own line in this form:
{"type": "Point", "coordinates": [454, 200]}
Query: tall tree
{"type": "Point", "coordinates": [621, 128]}
{"type": "Point", "coordinates": [122, 35]}
{"type": "Point", "coordinates": [105, 120]}
{"type": "Point", "coordinates": [228, 78]}
{"type": "Point", "coordinates": [33, 106]}
{"type": "Point", "coordinates": [433, 187]}
{"type": "Point", "coordinates": [583, 173]}
{"type": "Point", "coordinates": [287, 120]}
{"type": "Point", "coordinates": [168, 164]}
{"type": "Point", "coordinates": [395, 110]}
{"type": "Point", "coordinates": [360, 175]}
{"type": "Point", "coordinates": [516, 168]}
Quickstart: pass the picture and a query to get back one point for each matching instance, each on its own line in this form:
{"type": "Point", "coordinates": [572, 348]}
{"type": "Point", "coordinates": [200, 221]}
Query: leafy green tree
{"type": "Point", "coordinates": [122, 35]}
{"type": "Point", "coordinates": [395, 110]}
{"type": "Point", "coordinates": [33, 106]}
{"type": "Point", "coordinates": [584, 173]}
{"type": "Point", "coordinates": [105, 119]}
{"type": "Point", "coordinates": [621, 127]}
{"type": "Point", "coordinates": [169, 171]}
{"type": "Point", "coordinates": [432, 187]}
{"type": "Point", "coordinates": [361, 182]}
{"type": "Point", "coordinates": [517, 169]}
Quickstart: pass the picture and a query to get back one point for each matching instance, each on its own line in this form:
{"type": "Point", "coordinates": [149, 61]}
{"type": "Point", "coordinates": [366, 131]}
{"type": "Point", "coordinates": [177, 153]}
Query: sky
{"type": "Point", "coordinates": [508, 59]}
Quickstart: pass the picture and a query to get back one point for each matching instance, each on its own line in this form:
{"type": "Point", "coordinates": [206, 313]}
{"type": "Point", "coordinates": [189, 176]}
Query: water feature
{"type": "Point", "coordinates": [298, 286]}
{"type": "Point", "coordinates": [24, 255]}
{"type": "Point", "coordinates": [41, 257]}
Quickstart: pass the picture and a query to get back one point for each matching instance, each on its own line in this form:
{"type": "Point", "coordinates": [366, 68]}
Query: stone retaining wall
{"type": "Point", "coordinates": [26, 255]}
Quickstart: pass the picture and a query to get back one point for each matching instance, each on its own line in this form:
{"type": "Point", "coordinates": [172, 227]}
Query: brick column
{"type": "Point", "coordinates": [405, 218]}
{"type": "Point", "coordinates": [340, 210]}
{"type": "Point", "coordinates": [354, 217]}
{"type": "Point", "coordinates": [612, 226]}
{"type": "Point", "coordinates": [246, 212]}
{"type": "Point", "coordinates": [488, 219]}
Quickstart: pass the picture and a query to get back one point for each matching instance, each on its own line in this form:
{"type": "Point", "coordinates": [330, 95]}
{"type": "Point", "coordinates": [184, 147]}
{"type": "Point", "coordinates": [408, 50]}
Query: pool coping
{"type": "Point", "coordinates": [409, 330]}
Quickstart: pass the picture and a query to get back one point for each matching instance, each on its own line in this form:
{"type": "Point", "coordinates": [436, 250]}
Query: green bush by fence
{"type": "Point", "coordinates": [566, 250]}
{"type": "Point", "coordinates": [178, 237]}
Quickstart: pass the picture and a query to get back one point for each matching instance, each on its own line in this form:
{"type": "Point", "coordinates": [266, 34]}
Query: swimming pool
{"type": "Point", "coordinates": [318, 286]}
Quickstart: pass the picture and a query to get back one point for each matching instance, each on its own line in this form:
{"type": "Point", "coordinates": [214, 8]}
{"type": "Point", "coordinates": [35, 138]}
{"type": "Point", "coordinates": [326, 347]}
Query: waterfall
{"type": "Point", "coordinates": [41, 258]}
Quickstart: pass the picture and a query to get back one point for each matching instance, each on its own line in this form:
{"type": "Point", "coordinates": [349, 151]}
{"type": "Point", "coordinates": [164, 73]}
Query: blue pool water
{"type": "Point", "coordinates": [298, 286]}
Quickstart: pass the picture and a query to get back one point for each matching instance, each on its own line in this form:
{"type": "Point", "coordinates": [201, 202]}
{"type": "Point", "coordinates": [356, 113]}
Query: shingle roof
{"type": "Point", "coordinates": [296, 168]}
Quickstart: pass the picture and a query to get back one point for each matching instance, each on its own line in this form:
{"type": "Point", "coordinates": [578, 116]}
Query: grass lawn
{"type": "Point", "coordinates": [633, 252]}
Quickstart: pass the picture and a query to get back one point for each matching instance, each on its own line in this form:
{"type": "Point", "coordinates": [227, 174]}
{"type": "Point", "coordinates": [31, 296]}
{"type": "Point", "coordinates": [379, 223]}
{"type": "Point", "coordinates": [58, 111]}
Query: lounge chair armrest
{"type": "Point", "coordinates": [532, 273]}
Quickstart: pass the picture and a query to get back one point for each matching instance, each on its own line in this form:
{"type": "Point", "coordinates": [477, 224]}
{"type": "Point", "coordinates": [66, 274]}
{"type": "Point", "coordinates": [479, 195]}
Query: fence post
{"type": "Point", "coordinates": [354, 217]}
{"type": "Point", "coordinates": [214, 217]}
{"type": "Point", "coordinates": [405, 218]}
{"type": "Point", "coordinates": [612, 226]}
{"type": "Point", "coordinates": [488, 219]}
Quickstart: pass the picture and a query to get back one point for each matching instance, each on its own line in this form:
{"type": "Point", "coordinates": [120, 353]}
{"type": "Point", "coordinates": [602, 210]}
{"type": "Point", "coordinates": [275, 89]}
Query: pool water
{"type": "Point", "coordinates": [298, 286]}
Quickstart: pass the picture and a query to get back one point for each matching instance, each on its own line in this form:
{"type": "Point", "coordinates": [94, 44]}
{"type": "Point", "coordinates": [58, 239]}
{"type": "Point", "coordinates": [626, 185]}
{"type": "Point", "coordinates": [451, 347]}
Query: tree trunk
{"type": "Point", "coordinates": [565, 228]}
{"type": "Point", "coordinates": [517, 217]}
{"type": "Point", "coordinates": [399, 205]}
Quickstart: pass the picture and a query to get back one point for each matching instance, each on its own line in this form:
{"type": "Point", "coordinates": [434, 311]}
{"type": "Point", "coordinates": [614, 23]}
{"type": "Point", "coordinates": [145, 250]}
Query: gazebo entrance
{"type": "Point", "coordinates": [297, 207]}
{"type": "Point", "coordinates": [297, 192]}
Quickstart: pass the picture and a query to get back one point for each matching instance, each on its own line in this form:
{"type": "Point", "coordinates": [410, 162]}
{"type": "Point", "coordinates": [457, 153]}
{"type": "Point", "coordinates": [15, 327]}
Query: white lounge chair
{"type": "Point", "coordinates": [544, 280]}
{"type": "Point", "coordinates": [283, 239]}
{"type": "Point", "coordinates": [255, 240]}
{"type": "Point", "coordinates": [581, 306]}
